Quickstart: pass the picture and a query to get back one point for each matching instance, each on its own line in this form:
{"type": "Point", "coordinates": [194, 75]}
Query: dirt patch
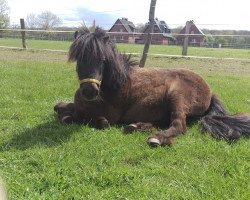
{"type": "Point", "coordinates": [202, 65]}
{"type": "Point", "coordinates": [241, 67]}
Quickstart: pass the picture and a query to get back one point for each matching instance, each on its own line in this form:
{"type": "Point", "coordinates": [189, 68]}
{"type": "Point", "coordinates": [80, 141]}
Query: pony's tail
{"type": "Point", "coordinates": [222, 125]}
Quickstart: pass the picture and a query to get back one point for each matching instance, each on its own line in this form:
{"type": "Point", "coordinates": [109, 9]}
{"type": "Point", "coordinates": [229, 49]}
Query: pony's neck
{"type": "Point", "coordinates": [116, 75]}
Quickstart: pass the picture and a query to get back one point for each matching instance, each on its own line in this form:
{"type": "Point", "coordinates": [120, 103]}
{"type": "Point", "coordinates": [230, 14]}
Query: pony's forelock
{"type": "Point", "coordinates": [87, 44]}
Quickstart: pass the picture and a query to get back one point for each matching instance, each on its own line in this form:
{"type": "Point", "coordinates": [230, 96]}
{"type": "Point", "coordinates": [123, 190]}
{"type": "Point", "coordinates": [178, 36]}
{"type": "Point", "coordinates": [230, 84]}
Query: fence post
{"type": "Point", "coordinates": [185, 43]}
{"type": "Point", "coordinates": [149, 36]}
{"type": "Point", "coordinates": [23, 33]}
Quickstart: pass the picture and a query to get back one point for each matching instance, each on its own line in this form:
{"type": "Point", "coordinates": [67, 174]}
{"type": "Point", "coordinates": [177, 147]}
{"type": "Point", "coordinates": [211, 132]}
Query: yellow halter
{"type": "Point", "coordinates": [90, 80]}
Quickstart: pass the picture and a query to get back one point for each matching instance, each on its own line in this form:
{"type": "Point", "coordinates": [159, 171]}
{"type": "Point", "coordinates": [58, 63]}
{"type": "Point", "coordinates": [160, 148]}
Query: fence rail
{"type": "Point", "coordinates": [149, 54]}
{"type": "Point", "coordinates": [68, 35]}
{"type": "Point", "coordinates": [123, 33]}
{"type": "Point", "coordinates": [33, 30]}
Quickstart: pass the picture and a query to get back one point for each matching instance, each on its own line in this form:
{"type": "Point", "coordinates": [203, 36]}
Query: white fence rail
{"type": "Point", "coordinates": [16, 33]}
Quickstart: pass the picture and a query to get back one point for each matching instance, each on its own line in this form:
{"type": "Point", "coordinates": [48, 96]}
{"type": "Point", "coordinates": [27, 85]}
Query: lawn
{"type": "Point", "coordinates": [135, 48]}
{"type": "Point", "coordinates": [42, 159]}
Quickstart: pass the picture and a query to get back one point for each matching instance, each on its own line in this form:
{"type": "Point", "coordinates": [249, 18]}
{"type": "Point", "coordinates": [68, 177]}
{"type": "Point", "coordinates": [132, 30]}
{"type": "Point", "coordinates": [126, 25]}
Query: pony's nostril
{"type": "Point", "coordinates": [96, 92]}
{"type": "Point", "coordinates": [86, 92]}
{"type": "Point", "coordinates": [90, 92]}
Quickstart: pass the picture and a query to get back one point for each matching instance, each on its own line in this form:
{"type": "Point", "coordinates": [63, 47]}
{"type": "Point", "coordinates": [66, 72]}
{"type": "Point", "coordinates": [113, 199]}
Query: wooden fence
{"type": "Point", "coordinates": [68, 35]}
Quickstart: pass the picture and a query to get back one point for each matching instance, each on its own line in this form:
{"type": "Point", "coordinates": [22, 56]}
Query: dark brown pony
{"type": "Point", "coordinates": [114, 91]}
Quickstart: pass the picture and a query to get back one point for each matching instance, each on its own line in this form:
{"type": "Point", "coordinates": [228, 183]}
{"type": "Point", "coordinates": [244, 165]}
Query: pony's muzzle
{"type": "Point", "coordinates": [90, 91]}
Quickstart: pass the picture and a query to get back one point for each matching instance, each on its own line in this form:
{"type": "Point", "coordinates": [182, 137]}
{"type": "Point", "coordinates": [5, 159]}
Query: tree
{"type": "Point", "coordinates": [177, 30]}
{"type": "Point", "coordinates": [140, 27]}
{"type": "Point", "coordinates": [45, 20]}
{"type": "Point", "coordinates": [209, 39]}
{"type": "Point", "coordinates": [4, 14]}
{"type": "Point", "coordinates": [31, 21]}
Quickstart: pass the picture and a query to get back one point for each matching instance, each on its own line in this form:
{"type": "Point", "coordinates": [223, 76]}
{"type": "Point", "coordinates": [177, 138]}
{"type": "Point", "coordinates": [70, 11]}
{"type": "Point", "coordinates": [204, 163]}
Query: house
{"type": "Point", "coordinates": [163, 33]}
{"type": "Point", "coordinates": [193, 40]}
{"type": "Point", "coordinates": [123, 31]}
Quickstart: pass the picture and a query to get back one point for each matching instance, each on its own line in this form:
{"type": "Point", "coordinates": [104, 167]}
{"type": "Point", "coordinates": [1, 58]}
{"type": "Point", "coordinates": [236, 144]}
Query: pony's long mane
{"type": "Point", "coordinates": [89, 47]}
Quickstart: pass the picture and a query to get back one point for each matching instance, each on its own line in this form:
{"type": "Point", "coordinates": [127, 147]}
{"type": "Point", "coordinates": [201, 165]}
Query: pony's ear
{"type": "Point", "coordinates": [76, 34]}
{"type": "Point", "coordinates": [106, 39]}
{"type": "Point", "coordinates": [80, 32]}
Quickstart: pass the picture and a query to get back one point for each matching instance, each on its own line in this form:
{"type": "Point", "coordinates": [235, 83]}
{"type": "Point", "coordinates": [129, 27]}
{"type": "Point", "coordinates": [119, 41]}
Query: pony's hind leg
{"type": "Point", "coordinates": [177, 122]}
{"type": "Point", "coordinates": [167, 137]}
{"type": "Point", "coordinates": [139, 126]}
{"type": "Point", "coordinates": [100, 123]}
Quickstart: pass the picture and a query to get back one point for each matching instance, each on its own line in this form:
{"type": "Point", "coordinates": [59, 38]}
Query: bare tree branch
{"type": "Point", "coordinates": [45, 20]}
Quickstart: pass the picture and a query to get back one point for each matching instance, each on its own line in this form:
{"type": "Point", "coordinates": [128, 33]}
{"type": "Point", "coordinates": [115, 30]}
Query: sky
{"type": "Point", "coordinates": [212, 14]}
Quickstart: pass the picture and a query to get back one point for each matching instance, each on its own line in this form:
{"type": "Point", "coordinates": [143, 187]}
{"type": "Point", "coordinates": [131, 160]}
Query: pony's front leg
{"type": "Point", "coordinates": [65, 112]}
{"type": "Point", "coordinates": [167, 137]}
{"type": "Point", "coordinates": [100, 123]}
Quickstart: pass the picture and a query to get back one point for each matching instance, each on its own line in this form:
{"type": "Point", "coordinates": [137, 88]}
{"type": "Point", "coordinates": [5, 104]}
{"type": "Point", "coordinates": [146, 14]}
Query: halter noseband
{"type": "Point", "coordinates": [90, 80]}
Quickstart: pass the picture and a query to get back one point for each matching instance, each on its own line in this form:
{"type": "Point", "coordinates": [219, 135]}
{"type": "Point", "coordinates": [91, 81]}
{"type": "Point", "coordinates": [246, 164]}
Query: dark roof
{"type": "Point", "coordinates": [129, 26]}
{"type": "Point", "coordinates": [162, 26]}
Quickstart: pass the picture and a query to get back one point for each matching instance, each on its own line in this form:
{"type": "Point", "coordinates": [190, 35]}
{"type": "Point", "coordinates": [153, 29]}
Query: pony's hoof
{"type": "Point", "coordinates": [153, 142]}
{"type": "Point", "coordinates": [104, 124]}
{"type": "Point", "coordinates": [67, 120]}
{"type": "Point", "coordinates": [130, 128]}
{"type": "Point", "coordinates": [56, 108]}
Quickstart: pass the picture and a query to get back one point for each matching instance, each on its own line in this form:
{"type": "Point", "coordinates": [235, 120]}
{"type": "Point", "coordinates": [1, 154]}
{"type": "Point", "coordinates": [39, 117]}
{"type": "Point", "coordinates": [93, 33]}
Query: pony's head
{"type": "Point", "coordinates": [100, 67]}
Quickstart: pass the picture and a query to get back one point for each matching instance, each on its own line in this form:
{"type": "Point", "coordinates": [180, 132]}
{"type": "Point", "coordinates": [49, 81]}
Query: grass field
{"type": "Point", "coordinates": [42, 159]}
{"type": "Point", "coordinates": [135, 48]}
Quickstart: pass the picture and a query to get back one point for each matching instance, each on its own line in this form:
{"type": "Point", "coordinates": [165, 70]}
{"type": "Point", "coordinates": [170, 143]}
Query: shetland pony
{"type": "Point", "coordinates": [113, 90]}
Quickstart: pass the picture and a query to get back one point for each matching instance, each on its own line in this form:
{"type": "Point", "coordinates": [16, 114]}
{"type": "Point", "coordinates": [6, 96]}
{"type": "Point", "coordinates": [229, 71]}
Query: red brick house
{"type": "Point", "coordinates": [195, 40]}
{"type": "Point", "coordinates": [164, 36]}
{"type": "Point", "coordinates": [123, 31]}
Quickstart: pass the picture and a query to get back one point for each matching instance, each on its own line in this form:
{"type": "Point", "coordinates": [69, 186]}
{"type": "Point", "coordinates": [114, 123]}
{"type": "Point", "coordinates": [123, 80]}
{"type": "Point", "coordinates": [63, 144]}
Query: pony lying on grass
{"type": "Point", "coordinates": [114, 91]}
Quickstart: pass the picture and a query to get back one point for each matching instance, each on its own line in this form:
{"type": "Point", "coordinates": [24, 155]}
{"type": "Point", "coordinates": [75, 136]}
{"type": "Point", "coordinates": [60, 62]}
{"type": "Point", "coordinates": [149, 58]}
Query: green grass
{"type": "Point", "coordinates": [134, 48]}
{"type": "Point", "coordinates": [42, 159]}
{"type": "Point", "coordinates": [36, 44]}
